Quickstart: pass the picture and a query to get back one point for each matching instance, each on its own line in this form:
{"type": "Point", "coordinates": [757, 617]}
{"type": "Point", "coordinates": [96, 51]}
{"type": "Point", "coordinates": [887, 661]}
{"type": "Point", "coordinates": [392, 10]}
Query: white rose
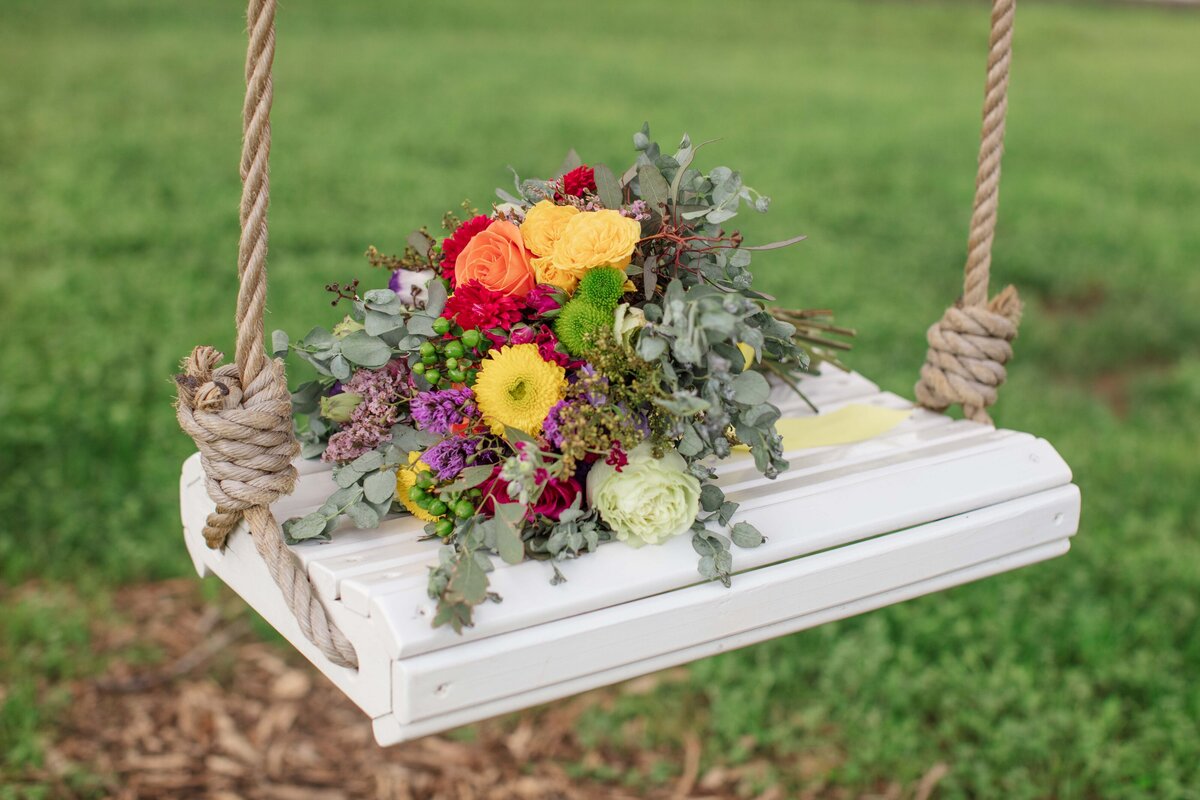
{"type": "Point", "coordinates": [649, 500]}
{"type": "Point", "coordinates": [626, 320]}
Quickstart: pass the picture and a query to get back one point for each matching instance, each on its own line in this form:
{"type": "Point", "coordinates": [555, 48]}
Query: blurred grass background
{"type": "Point", "coordinates": [119, 140]}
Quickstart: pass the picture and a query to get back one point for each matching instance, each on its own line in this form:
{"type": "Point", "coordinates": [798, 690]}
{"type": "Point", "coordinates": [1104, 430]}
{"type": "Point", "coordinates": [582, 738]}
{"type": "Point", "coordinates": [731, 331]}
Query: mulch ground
{"type": "Point", "coordinates": [214, 712]}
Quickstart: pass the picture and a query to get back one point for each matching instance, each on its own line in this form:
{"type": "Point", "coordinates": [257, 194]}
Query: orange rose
{"type": "Point", "coordinates": [497, 258]}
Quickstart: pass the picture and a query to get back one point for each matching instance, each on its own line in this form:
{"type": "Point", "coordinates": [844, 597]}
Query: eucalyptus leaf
{"type": "Point", "coordinates": [362, 515]}
{"type": "Point", "coordinates": [607, 187]}
{"type": "Point", "coordinates": [653, 187]}
{"type": "Point", "coordinates": [279, 343]}
{"type": "Point", "coordinates": [378, 323]}
{"type": "Point", "coordinates": [436, 297]}
{"type": "Point", "coordinates": [366, 351]}
{"type": "Point", "coordinates": [421, 325]}
{"type": "Point", "coordinates": [343, 498]}
{"type": "Point", "coordinates": [306, 527]}
{"type": "Point", "coordinates": [508, 532]}
{"type": "Point", "coordinates": [569, 163]}
{"type": "Point", "coordinates": [751, 388]}
{"type": "Point", "coordinates": [380, 487]}
{"type": "Point", "coordinates": [468, 581]}
{"type": "Point", "coordinates": [746, 535]}
{"type": "Point", "coordinates": [340, 367]}
{"type": "Point", "coordinates": [470, 477]}
{"type": "Point", "coordinates": [367, 462]}
{"type": "Point", "coordinates": [711, 497]}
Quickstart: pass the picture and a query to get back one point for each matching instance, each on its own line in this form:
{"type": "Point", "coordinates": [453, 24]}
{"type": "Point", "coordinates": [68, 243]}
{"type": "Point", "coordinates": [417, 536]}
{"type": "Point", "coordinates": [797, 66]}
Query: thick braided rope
{"type": "Point", "coordinates": [240, 415]}
{"type": "Point", "coordinates": [971, 343]}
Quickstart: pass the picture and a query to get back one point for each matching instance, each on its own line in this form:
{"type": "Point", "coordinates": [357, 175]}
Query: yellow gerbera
{"type": "Point", "coordinates": [516, 388]}
{"type": "Point", "coordinates": [406, 478]}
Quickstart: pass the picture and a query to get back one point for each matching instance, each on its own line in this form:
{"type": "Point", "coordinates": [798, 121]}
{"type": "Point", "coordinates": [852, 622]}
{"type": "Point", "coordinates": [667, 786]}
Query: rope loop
{"type": "Point", "coordinates": [970, 345]}
{"type": "Point", "coordinates": [240, 415]}
{"type": "Point", "coordinates": [244, 436]}
{"type": "Point", "coordinates": [968, 348]}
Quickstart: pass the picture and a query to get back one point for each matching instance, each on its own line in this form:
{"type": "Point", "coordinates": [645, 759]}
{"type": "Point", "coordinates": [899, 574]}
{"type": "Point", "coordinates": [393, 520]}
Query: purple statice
{"type": "Point", "coordinates": [552, 423]}
{"type": "Point", "coordinates": [370, 424]}
{"type": "Point", "coordinates": [440, 411]}
{"type": "Point", "coordinates": [448, 457]}
{"type": "Point", "coordinates": [638, 210]}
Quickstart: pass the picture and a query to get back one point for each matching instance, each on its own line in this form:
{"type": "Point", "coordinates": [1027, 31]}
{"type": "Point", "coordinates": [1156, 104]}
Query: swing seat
{"type": "Point", "coordinates": [930, 504]}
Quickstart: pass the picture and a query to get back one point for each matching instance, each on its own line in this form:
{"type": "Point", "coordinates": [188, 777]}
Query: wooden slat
{"type": "Point", "coordinates": [801, 516]}
{"type": "Point", "coordinates": [449, 680]}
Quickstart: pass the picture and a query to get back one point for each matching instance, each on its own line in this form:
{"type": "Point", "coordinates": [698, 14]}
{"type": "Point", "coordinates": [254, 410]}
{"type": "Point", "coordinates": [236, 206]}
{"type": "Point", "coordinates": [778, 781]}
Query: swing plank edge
{"type": "Point", "coordinates": [931, 504]}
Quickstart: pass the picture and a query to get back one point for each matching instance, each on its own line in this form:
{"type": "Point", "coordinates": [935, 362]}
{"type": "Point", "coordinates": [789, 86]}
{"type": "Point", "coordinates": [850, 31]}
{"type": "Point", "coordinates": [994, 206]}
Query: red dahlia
{"type": "Point", "coordinates": [474, 306]}
{"type": "Point", "coordinates": [578, 182]}
{"type": "Point", "coordinates": [453, 244]}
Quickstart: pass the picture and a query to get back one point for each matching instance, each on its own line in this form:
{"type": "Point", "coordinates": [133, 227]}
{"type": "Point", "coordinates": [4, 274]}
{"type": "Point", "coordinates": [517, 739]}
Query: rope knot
{"type": "Point", "coordinates": [968, 348]}
{"type": "Point", "coordinates": [244, 435]}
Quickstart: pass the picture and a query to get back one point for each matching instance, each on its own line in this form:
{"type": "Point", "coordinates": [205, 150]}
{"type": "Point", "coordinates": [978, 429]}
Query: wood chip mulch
{"type": "Point", "coordinates": [192, 703]}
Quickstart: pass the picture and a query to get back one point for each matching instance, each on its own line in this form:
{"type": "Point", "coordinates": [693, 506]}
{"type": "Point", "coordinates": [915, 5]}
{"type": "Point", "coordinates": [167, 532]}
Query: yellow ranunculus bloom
{"type": "Point", "coordinates": [542, 226]}
{"type": "Point", "coordinates": [596, 239]}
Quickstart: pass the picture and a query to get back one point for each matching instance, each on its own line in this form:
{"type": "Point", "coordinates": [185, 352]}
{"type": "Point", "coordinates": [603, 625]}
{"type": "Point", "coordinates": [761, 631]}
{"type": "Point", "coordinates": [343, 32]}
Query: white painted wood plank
{"type": "Point", "coordinates": [389, 731]}
{"type": "Point", "coordinates": [243, 570]}
{"type": "Point", "coordinates": [804, 516]}
{"type": "Point", "coordinates": [522, 661]}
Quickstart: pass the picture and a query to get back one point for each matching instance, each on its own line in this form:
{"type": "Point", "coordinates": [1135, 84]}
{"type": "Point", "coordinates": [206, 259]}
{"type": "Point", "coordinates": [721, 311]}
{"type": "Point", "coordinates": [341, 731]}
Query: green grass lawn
{"type": "Point", "coordinates": [119, 139]}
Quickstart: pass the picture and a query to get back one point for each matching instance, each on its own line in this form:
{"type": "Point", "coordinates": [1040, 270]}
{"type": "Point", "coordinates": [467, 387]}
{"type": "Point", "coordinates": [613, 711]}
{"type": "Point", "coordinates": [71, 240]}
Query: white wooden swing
{"type": "Point", "coordinates": [928, 505]}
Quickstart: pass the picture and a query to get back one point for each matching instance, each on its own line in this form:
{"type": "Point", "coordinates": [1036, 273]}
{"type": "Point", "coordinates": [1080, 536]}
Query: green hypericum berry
{"type": "Point", "coordinates": [602, 287]}
{"type": "Point", "coordinates": [429, 360]}
{"type": "Point", "coordinates": [427, 348]}
{"type": "Point", "coordinates": [437, 508]}
{"type": "Point", "coordinates": [476, 493]}
{"type": "Point", "coordinates": [457, 376]}
{"type": "Point", "coordinates": [455, 349]}
{"type": "Point", "coordinates": [419, 367]}
{"type": "Point", "coordinates": [441, 325]}
{"type": "Point", "coordinates": [579, 322]}
{"type": "Point", "coordinates": [470, 338]}
{"type": "Point", "coordinates": [433, 376]}
{"type": "Point", "coordinates": [416, 494]}
{"type": "Point", "coordinates": [444, 528]}
{"type": "Point", "coordinates": [464, 509]}
{"type": "Point", "coordinates": [451, 363]}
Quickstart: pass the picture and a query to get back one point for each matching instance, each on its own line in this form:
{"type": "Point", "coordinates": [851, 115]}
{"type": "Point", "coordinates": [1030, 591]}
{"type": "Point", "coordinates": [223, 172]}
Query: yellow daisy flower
{"type": "Point", "coordinates": [406, 478]}
{"type": "Point", "coordinates": [516, 388]}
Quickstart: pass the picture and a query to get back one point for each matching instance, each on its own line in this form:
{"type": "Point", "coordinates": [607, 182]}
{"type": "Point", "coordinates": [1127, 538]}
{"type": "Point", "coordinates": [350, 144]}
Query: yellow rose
{"type": "Point", "coordinates": [596, 239]}
{"type": "Point", "coordinates": [542, 226]}
{"type": "Point", "coordinates": [544, 271]}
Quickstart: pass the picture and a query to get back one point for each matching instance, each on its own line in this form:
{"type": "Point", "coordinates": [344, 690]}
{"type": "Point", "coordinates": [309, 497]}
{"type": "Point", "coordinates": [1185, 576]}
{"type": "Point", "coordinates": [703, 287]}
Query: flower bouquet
{"type": "Point", "coordinates": [556, 374]}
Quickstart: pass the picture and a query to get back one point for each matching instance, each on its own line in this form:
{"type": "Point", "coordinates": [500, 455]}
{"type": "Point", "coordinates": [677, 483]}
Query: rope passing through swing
{"type": "Point", "coordinates": [971, 343]}
{"type": "Point", "coordinates": [240, 415]}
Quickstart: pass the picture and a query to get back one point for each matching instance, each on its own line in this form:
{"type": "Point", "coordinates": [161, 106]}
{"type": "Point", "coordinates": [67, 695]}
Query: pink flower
{"type": "Point", "coordinates": [544, 298]}
{"type": "Point", "coordinates": [556, 497]}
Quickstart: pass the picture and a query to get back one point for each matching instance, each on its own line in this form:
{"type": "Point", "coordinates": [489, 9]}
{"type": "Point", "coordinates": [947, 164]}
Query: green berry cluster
{"type": "Point", "coordinates": [448, 507]}
{"type": "Point", "coordinates": [448, 361]}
